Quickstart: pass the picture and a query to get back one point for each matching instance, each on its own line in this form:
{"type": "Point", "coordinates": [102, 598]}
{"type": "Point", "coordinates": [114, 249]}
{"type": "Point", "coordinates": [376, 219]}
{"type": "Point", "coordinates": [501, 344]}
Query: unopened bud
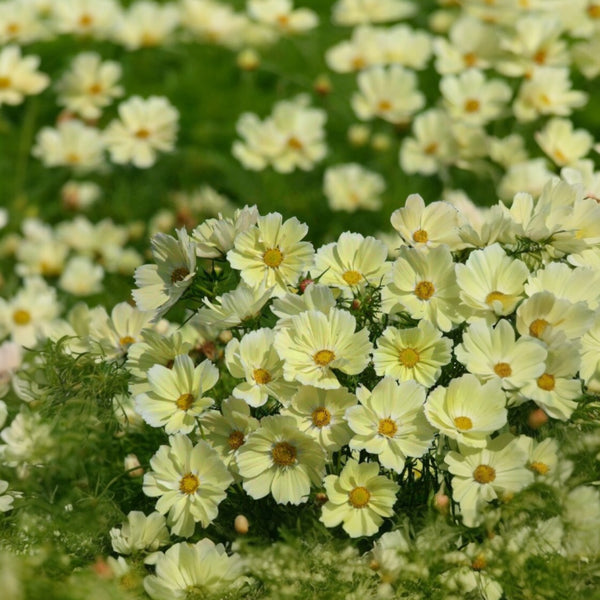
{"type": "Point", "coordinates": [320, 498]}
{"type": "Point", "coordinates": [358, 135]}
{"type": "Point", "coordinates": [248, 60]}
{"type": "Point", "coordinates": [323, 85]}
{"type": "Point", "coordinates": [304, 284]}
{"type": "Point", "coordinates": [241, 525]}
{"type": "Point", "coordinates": [537, 418]}
{"type": "Point", "coordinates": [225, 336]}
{"type": "Point", "coordinates": [441, 503]}
{"type": "Point", "coordinates": [133, 466]}
{"type": "Point", "coordinates": [381, 142]}
{"type": "Point", "coordinates": [355, 304]}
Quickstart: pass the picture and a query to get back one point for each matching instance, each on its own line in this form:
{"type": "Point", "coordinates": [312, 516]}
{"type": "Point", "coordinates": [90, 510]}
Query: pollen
{"type": "Point", "coordinates": [359, 497]}
{"type": "Point", "coordinates": [594, 11]}
{"type": "Point", "coordinates": [189, 484]}
{"type": "Point", "coordinates": [358, 63]}
{"type": "Point", "coordinates": [484, 474]}
{"type": "Point", "coordinates": [472, 105]}
{"type": "Point", "coordinates": [261, 376]}
{"type": "Point", "coordinates": [420, 236]}
{"type": "Point", "coordinates": [463, 423]}
{"type": "Point", "coordinates": [283, 20]}
{"type": "Point", "coordinates": [179, 274]}
{"type": "Point", "coordinates": [502, 369]}
{"type": "Point", "coordinates": [94, 89]}
{"type": "Point", "coordinates": [235, 439]}
{"type": "Point", "coordinates": [295, 144]}
{"type": "Point", "coordinates": [495, 296]}
{"type": "Point", "coordinates": [540, 57]}
{"type": "Point", "coordinates": [127, 340]}
{"type": "Point", "coordinates": [85, 20]}
{"type": "Point", "coordinates": [387, 427]}
{"type": "Point", "coordinates": [431, 148]}
{"type": "Point", "coordinates": [408, 357]}
{"type": "Point", "coordinates": [73, 158]}
{"type": "Point", "coordinates": [142, 134]}
{"type": "Point", "coordinates": [21, 317]}
{"type": "Point", "coordinates": [324, 357]}
{"type": "Point", "coordinates": [539, 467]}
{"type": "Point", "coordinates": [351, 277]}
{"type": "Point", "coordinates": [273, 258]}
{"type": "Point", "coordinates": [479, 563]}
{"type": "Point", "coordinates": [5, 82]}
{"type": "Point", "coordinates": [470, 59]}
{"type": "Point", "coordinates": [284, 454]}
{"type": "Point", "coordinates": [384, 105]}
{"type": "Point", "coordinates": [537, 328]}
{"type": "Point", "coordinates": [321, 417]}
{"type": "Point", "coordinates": [185, 401]}
{"type": "Point", "coordinates": [13, 28]}
{"type": "Point", "coordinates": [424, 290]}
{"type": "Point", "coordinates": [546, 382]}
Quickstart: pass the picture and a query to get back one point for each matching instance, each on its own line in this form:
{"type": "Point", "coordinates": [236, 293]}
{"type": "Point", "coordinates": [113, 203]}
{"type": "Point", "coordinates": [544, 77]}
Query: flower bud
{"type": "Point", "coordinates": [241, 525]}
{"type": "Point", "coordinates": [133, 466]}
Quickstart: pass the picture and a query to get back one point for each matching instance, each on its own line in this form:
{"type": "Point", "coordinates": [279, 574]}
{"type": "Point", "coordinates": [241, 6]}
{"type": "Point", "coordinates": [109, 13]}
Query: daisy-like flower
{"type": "Point", "coordinates": [356, 12]}
{"type": "Point", "coordinates": [352, 262]}
{"type": "Point", "coordinates": [190, 482]}
{"type": "Point", "coordinates": [417, 353]}
{"type": "Point", "coordinates": [70, 144]}
{"type": "Point", "coordinates": [81, 277]}
{"type": "Point", "coordinates": [89, 85]}
{"type": "Point", "coordinates": [255, 359]}
{"type": "Point", "coordinates": [272, 253]}
{"type": "Point", "coordinates": [390, 422]}
{"type": "Point", "coordinates": [214, 22]}
{"type": "Point", "coordinates": [320, 413]}
{"type": "Point", "coordinates": [160, 285]}
{"type": "Point", "coordinates": [546, 317]}
{"type": "Point", "coordinates": [361, 51]}
{"type": "Point", "coordinates": [280, 15]}
{"type": "Point", "coordinates": [187, 567]}
{"type": "Point", "coordinates": [25, 316]}
{"type": "Point", "coordinates": [483, 475]}
{"type": "Point", "coordinates": [279, 459]}
{"type": "Point", "coordinates": [431, 225]}
{"type": "Point", "coordinates": [87, 17]}
{"type": "Point", "coordinates": [228, 430]}
{"type": "Point", "coordinates": [590, 356]}
{"type": "Point", "coordinates": [557, 389]}
{"type": "Point", "coordinates": [467, 411]}
{"type": "Point", "coordinates": [140, 533]}
{"type": "Point", "coordinates": [424, 284]}
{"type": "Point", "coordinates": [359, 498]}
{"type": "Point", "coordinates": [491, 283]}
{"type": "Point", "coordinates": [562, 144]}
{"type": "Point", "coordinates": [176, 398]}
{"type": "Point", "coordinates": [390, 94]}
{"type": "Point", "coordinates": [352, 187]}
{"type": "Point", "coordinates": [19, 76]}
{"type": "Point", "coordinates": [147, 24]}
{"type": "Point", "coordinates": [316, 297]}
{"type": "Point", "coordinates": [233, 308]}
{"type": "Point", "coordinates": [432, 146]}
{"type": "Point", "coordinates": [471, 99]}
{"type": "Point", "coordinates": [6, 498]}
{"type": "Point", "coordinates": [547, 92]}
{"type": "Point", "coordinates": [314, 343]}
{"type": "Point", "coordinates": [144, 128]}
{"type": "Point", "coordinates": [542, 458]}
{"type": "Point", "coordinates": [493, 353]}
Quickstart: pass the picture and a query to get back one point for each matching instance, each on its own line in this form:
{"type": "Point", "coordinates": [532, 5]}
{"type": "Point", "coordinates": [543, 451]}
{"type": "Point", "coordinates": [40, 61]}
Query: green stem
{"type": "Point", "coordinates": [23, 152]}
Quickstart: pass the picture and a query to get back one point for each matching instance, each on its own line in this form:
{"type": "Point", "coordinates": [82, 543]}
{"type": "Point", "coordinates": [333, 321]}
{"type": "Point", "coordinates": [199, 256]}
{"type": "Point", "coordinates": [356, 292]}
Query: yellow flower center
{"type": "Point", "coordinates": [463, 423]}
{"type": "Point", "coordinates": [321, 417]}
{"type": "Point", "coordinates": [387, 427]}
{"type": "Point", "coordinates": [472, 105]}
{"type": "Point", "coordinates": [94, 89]}
{"type": "Point", "coordinates": [179, 274]}
{"type": "Point", "coordinates": [495, 296]}
{"type": "Point", "coordinates": [420, 236]}
{"type": "Point", "coordinates": [358, 62]}
{"type": "Point", "coordinates": [470, 59]}
{"type": "Point", "coordinates": [503, 369]}
{"type": "Point", "coordinates": [484, 474]}
{"type": "Point", "coordinates": [149, 39]}
{"type": "Point", "coordinates": [261, 376]}
{"type": "Point", "coordinates": [73, 158]}
{"type": "Point", "coordinates": [351, 277]}
{"type": "Point", "coordinates": [142, 134]}
{"type": "Point", "coordinates": [594, 11]}
{"type": "Point", "coordinates": [5, 83]}
{"type": "Point", "coordinates": [283, 454]}
{"type": "Point", "coordinates": [539, 467]}
{"type": "Point", "coordinates": [546, 382]}
{"type": "Point", "coordinates": [409, 357]}
{"type": "Point", "coordinates": [85, 20]}
{"type": "Point", "coordinates": [359, 497]}
{"type": "Point", "coordinates": [479, 563]}
{"type": "Point", "coordinates": [13, 28]}
{"type": "Point", "coordinates": [323, 357]}
{"type": "Point", "coordinates": [189, 484]}
{"type": "Point", "coordinates": [295, 144]}
{"type": "Point", "coordinates": [540, 57]}
{"type": "Point", "coordinates": [424, 290]}
{"type": "Point", "coordinates": [21, 317]}
{"type": "Point", "coordinates": [384, 105]}
{"type": "Point", "coordinates": [185, 401]}
{"type": "Point", "coordinates": [431, 148]}
{"type": "Point", "coordinates": [545, 99]}
{"type": "Point", "coordinates": [235, 439]}
{"type": "Point", "coordinates": [273, 258]}
{"type": "Point", "coordinates": [283, 20]}
{"type": "Point", "coordinates": [127, 340]}
{"type": "Point", "coordinates": [537, 328]}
